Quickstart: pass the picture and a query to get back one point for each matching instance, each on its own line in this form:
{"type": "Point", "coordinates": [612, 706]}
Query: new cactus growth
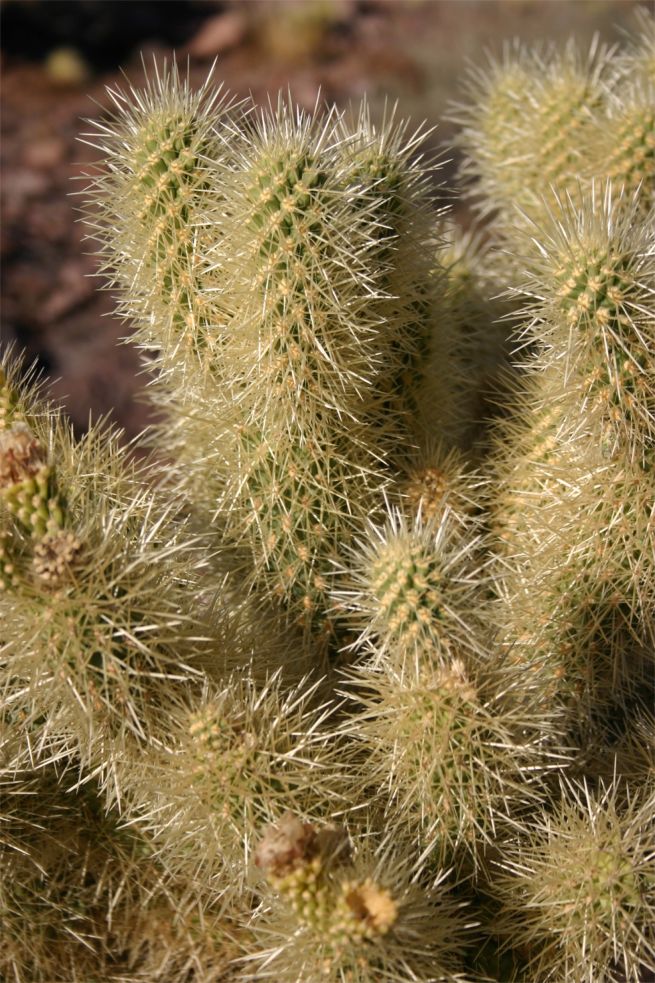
{"type": "Point", "coordinates": [346, 683]}
{"type": "Point", "coordinates": [414, 590]}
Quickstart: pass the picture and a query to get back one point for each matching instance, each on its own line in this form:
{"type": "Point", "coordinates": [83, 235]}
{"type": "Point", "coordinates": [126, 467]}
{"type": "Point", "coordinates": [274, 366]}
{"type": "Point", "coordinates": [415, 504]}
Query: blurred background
{"type": "Point", "coordinates": [58, 56]}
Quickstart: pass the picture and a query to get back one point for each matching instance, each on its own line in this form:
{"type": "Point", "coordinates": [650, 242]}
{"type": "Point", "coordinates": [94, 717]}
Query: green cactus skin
{"type": "Point", "coordinates": [8, 576]}
{"type": "Point", "coordinates": [578, 890]}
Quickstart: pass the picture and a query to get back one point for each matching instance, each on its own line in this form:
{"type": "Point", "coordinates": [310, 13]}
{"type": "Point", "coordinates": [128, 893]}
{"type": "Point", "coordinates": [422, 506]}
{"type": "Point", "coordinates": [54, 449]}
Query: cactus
{"type": "Point", "coordinates": [159, 144]}
{"type": "Point", "coordinates": [524, 123]}
{"type": "Point", "coordinates": [351, 679]}
{"type": "Point", "coordinates": [622, 142]}
{"type": "Point", "coordinates": [455, 756]}
{"type": "Point", "coordinates": [594, 284]}
{"type": "Point", "coordinates": [292, 419]}
{"type": "Point", "coordinates": [95, 624]}
{"type": "Point", "coordinates": [413, 591]}
{"type": "Point", "coordinates": [578, 890]}
{"type": "Point", "coordinates": [234, 760]}
{"type": "Point", "coordinates": [363, 917]}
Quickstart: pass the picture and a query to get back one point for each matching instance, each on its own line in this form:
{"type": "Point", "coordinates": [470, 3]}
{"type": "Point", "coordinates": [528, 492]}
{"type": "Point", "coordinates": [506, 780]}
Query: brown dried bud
{"type": "Point", "coordinates": [21, 455]}
{"type": "Point", "coordinates": [427, 488]}
{"type": "Point", "coordinates": [288, 844]}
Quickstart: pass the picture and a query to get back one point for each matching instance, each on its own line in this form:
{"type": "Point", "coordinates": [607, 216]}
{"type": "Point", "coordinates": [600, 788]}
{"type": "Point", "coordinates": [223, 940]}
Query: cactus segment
{"type": "Point", "coordinates": [145, 207]}
{"type": "Point", "coordinates": [412, 590]}
{"type": "Point", "coordinates": [339, 913]}
{"type": "Point", "coordinates": [578, 890]}
{"type": "Point", "coordinates": [234, 760]}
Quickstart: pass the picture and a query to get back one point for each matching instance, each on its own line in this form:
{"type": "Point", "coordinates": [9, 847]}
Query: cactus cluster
{"type": "Point", "coordinates": [352, 679]}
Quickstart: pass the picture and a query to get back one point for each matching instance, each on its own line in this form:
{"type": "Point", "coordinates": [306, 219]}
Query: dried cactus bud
{"type": "Point", "coordinates": [426, 490]}
{"type": "Point", "coordinates": [21, 455]}
{"type": "Point", "coordinates": [364, 910]}
{"type": "Point", "coordinates": [288, 844]}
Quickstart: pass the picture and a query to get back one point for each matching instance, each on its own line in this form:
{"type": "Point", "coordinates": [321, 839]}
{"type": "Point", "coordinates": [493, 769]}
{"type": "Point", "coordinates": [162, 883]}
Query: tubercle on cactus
{"type": "Point", "coordinates": [356, 686]}
{"type": "Point", "coordinates": [627, 156]}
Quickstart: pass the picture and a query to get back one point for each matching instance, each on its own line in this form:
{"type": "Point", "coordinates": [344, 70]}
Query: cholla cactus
{"type": "Point", "coordinates": [523, 127]}
{"type": "Point", "coordinates": [296, 407]}
{"type": "Point", "coordinates": [235, 759]}
{"type": "Point", "coordinates": [159, 146]}
{"type": "Point", "coordinates": [622, 141]}
{"type": "Point", "coordinates": [595, 283]}
{"type": "Point", "coordinates": [332, 915]}
{"type": "Point", "coordinates": [539, 122]}
{"type": "Point", "coordinates": [578, 891]}
{"type": "Point", "coordinates": [356, 685]}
